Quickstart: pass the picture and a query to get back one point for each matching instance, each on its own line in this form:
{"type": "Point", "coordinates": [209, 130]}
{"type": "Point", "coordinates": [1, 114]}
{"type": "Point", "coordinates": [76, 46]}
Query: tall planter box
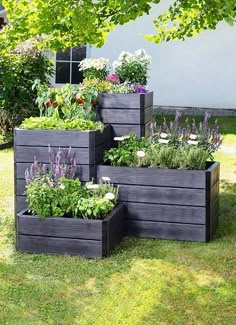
{"type": "Point", "coordinates": [84, 237]}
{"type": "Point", "coordinates": [88, 146]}
{"type": "Point", "coordinates": [168, 204]}
{"type": "Point", "coordinates": [127, 113]}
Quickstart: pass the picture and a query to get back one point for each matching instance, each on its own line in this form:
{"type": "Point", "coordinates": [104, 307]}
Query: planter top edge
{"type": "Point", "coordinates": [72, 131]}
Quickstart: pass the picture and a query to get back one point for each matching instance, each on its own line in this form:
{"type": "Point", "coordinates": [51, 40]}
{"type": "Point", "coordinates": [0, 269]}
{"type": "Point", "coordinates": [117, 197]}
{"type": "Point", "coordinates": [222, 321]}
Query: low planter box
{"type": "Point", "coordinates": [88, 146]}
{"type": "Point", "coordinates": [84, 237]}
{"type": "Point", "coordinates": [168, 204]}
{"type": "Point", "coordinates": [127, 113]}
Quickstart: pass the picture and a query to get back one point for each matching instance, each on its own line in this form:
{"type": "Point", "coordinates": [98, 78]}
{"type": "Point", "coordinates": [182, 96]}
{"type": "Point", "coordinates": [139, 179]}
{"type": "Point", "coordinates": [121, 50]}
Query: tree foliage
{"type": "Point", "coordinates": [71, 22]}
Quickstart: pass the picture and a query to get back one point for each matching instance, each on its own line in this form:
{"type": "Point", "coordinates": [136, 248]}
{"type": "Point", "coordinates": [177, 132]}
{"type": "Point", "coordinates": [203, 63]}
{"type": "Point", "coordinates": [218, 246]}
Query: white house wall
{"type": "Point", "coordinates": [199, 72]}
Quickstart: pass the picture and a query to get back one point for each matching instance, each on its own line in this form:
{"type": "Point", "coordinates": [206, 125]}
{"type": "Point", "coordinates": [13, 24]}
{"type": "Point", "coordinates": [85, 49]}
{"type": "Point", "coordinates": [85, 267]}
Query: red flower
{"type": "Point", "coordinates": [80, 100]}
{"type": "Point", "coordinates": [48, 103]}
{"type": "Point", "coordinates": [55, 104]}
{"type": "Point", "coordinates": [93, 104]}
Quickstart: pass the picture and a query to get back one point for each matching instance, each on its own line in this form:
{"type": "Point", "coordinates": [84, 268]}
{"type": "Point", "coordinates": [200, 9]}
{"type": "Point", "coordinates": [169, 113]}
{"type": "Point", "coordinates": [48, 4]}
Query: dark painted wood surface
{"type": "Point", "coordinates": [84, 237]}
{"type": "Point", "coordinates": [126, 100]}
{"type": "Point", "coordinates": [168, 204]}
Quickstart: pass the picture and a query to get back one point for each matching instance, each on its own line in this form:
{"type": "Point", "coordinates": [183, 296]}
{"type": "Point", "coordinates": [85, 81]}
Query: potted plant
{"type": "Point", "coordinates": [67, 119]}
{"type": "Point", "coordinates": [66, 217]}
{"type": "Point", "coordinates": [124, 101]}
{"type": "Point", "coordinates": [169, 184]}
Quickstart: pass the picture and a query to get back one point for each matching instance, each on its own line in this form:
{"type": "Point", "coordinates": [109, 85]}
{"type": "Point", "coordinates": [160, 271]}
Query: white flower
{"type": "Point", "coordinates": [98, 64]}
{"type": "Point", "coordinates": [193, 136]}
{"type": "Point", "coordinates": [62, 186]}
{"type": "Point", "coordinates": [192, 142]}
{"type": "Point", "coordinates": [163, 135]}
{"type": "Point", "coordinates": [119, 138]}
{"type": "Point", "coordinates": [106, 179]}
{"type": "Point", "coordinates": [110, 196]}
{"type": "Point", "coordinates": [140, 154]}
{"type": "Point", "coordinates": [126, 137]}
{"type": "Point", "coordinates": [163, 141]}
{"type": "Point", "coordinates": [92, 186]}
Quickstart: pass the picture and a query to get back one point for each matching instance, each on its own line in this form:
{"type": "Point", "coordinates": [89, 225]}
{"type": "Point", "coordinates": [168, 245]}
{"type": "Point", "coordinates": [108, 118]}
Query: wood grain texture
{"type": "Point", "coordinates": [59, 227]}
{"type": "Point", "coordinates": [162, 195]}
{"type": "Point", "coordinates": [53, 245]}
{"type": "Point", "coordinates": [116, 227]}
{"type": "Point", "coordinates": [165, 230]}
{"type": "Point", "coordinates": [153, 176]}
{"type": "Point", "coordinates": [131, 101]}
{"type": "Point", "coordinates": [166, 213]}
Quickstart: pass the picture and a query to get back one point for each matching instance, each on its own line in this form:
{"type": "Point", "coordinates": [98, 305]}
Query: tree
{"type": "Point", "coordinates": [71, 22]}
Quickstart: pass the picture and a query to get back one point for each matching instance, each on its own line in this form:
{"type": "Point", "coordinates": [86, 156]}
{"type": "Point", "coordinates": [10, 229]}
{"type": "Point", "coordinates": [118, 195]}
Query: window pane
{"type": "Point", "coordinates": [62, 72]}
{"type": "Point", "coordinates": [78, 53]}
{"type": "Point", "coordinates": [77, 76]}
{"type": "Point", "coordinates": [63, 55]}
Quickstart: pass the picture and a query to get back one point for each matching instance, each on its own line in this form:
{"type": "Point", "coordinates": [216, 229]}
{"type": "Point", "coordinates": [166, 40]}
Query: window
{"type": "Point", "coordinates": [67, 70]}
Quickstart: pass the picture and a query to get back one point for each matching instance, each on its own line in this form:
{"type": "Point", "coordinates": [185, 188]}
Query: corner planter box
{"type": "Point", "coordinates": [88, 146]}
{"type": "Point", "coordinates": [127, 113]}
{"type": "Point", "coordinates": [167, 203]}
{"type": "Point", "coordinates": [84, 237]}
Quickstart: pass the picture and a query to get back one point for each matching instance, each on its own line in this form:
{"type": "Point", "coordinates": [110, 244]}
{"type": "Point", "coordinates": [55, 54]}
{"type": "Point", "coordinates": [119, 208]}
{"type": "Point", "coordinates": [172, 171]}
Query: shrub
{"type": "Point", "coordinates": [17, 74]}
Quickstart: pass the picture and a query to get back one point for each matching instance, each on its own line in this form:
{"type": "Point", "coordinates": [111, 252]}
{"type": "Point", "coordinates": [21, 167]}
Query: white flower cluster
{"type": "Point", "coordinates": [140, 56]}
{"type": "Point", "coordinates": [98, 64]}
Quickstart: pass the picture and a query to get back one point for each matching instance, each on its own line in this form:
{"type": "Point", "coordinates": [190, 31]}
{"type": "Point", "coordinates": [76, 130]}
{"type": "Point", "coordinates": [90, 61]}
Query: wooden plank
{"type": "Point", "coordinates": [214, 171]}
{"type": "Point", "coordinates": [214, 193]}
{"type": "Point", "coordinates": [53, 245]}
{"type": "Point", "coordinates": [115, 227]}
{"type": "Point", "coordinates": [148, 99]}
{"type": "Point", "coordinates": [27, 154]}
{"type": "Point", "coordinates": [119, 116]}
{"type": "Point", "coordinates": [148, 115]}
{"type": "Point", "coordinates": [60, 227]}
{"type": "Point", "coordinates": [54, 138]}
{"type": "Point", "coordinates": [125, 100]}
{"type": "Point", "coordinates": [105, 136]}
{"type": "Point", "coordinates": [20, 203]}
{"type": "Point", "coordinates": [165, 213]}
{"type": "Point", "coordinates": [84, 172]}
{"type": "Point", "coordinates": [153, 176]}
{"type": "Point", "coordinates": [164, 230]}
{"type": "Point", "coordinates": [125, 129]}
{"type": "Point", "coordinates": [214, 209]}
{"type": "Point", "coordinates": [162, 195]}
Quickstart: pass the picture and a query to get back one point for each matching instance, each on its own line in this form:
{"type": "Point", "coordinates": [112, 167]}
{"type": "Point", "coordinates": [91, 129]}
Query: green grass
{"type": "Point", "coordinates": [143, 282]}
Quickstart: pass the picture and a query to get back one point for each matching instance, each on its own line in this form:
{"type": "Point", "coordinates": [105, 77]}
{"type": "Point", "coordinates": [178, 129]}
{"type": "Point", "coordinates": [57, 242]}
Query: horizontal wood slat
{"type": "Point", "coordinates": [125, 100]}
{"type": "Point", "coordinates": [162, 195]}
{"type": "Point", "coordinates": [166, 230]}
{"type": "Point", "coordinates": [166, 213]}
{"type": "Point", "coordinates": [153, 176]}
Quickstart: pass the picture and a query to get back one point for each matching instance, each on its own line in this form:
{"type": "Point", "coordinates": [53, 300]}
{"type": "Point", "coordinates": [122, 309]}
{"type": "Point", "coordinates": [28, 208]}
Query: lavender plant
{"type": "Point", "coordinates": [200, 135]}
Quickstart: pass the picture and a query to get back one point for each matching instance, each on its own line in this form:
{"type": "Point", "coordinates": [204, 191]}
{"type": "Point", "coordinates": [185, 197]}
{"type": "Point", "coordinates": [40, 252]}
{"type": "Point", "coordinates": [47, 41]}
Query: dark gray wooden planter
{"type": "Point", "coordinates": [84, 237]}
{"type": "Point", "coordinates": [88, 146]}
{"type": "Point", "coordinates": [168, 204]}
{"type": "Point", "coordinates": [127, 113]}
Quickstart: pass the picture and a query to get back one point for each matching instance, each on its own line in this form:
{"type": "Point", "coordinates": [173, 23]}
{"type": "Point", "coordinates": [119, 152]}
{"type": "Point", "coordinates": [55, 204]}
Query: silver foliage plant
{"type": "Point", "coordinates": [62, 163]}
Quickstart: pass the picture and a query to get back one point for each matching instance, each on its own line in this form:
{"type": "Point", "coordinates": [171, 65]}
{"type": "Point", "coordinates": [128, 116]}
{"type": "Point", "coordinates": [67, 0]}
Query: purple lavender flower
{"type": "Point", "coordinates": [140, 89]}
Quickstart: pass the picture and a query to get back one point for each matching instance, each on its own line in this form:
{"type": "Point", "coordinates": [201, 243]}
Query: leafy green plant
{"type": "Point", "coordinates": [50, 123]}
{"type": "Point", "coordinates": [132, 68]}
{"type": "Point", "coordinates": [18, 71]}
{"type": "Point", "coordinates": [67, 102]}
{"type": "Point", "coordinates": [55, 192]}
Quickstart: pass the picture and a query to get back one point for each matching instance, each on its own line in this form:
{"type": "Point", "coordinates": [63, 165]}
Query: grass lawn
{"type": "Point", "coordinates": [143, 282]}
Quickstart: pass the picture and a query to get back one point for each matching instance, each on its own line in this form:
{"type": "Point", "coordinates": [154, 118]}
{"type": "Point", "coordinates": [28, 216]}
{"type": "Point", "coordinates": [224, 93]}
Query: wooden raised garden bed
{"type": "Point", "coordinates": [127, 113]}
{"type": "Point", "coordinates": [168, 204]}
{"type": "Point", "coordinates": [88, 146]}
{"type": "Point", "coordinates": [84, 237]}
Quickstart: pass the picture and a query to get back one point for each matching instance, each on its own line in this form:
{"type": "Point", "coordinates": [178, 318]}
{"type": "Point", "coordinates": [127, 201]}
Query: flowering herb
{"type": "Point", "coordinates": [94, 68]}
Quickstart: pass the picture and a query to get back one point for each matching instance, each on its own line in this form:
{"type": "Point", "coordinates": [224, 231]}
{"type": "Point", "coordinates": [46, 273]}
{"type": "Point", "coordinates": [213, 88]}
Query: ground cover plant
{"type": "Point", "coordinates": [144, 282]}
{"type": "Point", "coordinates": [172, 146]}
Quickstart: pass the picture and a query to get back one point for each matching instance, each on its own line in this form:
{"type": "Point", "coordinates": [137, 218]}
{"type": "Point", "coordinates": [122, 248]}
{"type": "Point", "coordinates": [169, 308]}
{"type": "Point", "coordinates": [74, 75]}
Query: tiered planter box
{"type": "Point", "coordinates": [88, 146]}
{"type": "Point", "coordinates": [84, 237]}
{"type": "Point", "coordinates": [127, 113]}
{"type": "Point", "coordinates": [168, 204]}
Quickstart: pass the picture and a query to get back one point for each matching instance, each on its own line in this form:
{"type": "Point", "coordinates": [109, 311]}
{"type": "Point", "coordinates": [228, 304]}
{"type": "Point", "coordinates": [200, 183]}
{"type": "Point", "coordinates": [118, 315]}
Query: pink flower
{"type": "Point", "coordinates": [113, 78]}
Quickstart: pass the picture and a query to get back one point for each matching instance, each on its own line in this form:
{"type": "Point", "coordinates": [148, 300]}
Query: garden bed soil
{"type": "Point", "coordinates": [127, 113]}
{"type": "Point", "coordinates": [88, 147]}
{"type": "Point", "coordinates": [84, 237]}
{"type": "Point", "coordinates": [168, 204]}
